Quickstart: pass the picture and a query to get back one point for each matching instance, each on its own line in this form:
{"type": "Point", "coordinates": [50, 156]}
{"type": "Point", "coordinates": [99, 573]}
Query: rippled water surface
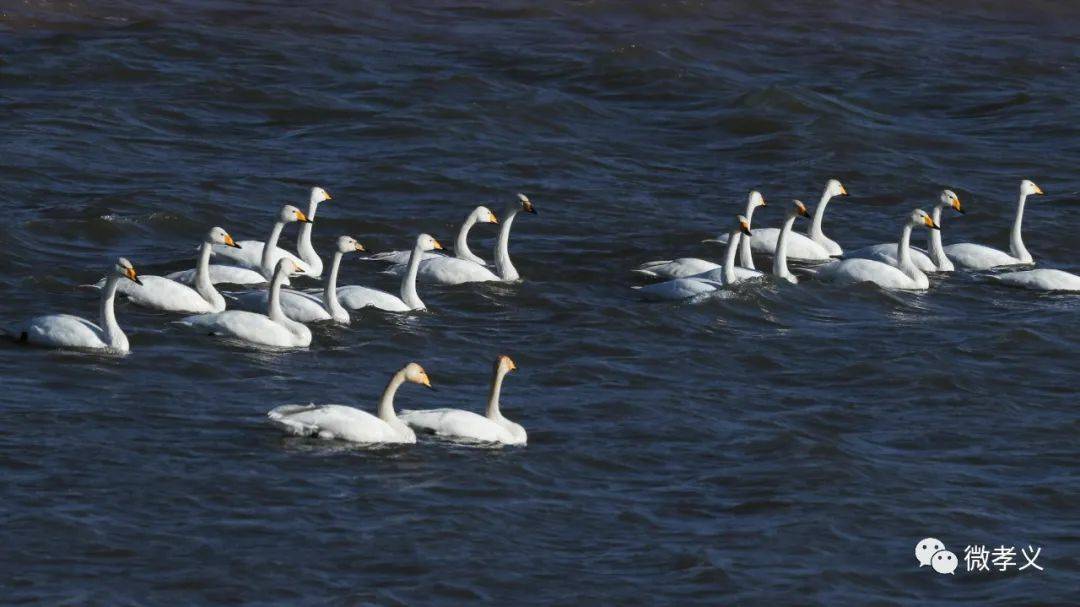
{"type": "Point", "coordinates": [787, 445]}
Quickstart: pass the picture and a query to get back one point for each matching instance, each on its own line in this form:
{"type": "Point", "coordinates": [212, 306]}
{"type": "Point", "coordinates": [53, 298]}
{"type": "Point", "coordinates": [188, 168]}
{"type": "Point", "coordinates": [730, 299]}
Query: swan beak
{"type": "Point", "coordinates": [426, 381]}
{"type": "Point", "coordinates": [929, 221]}
{"type": "Point", "coordinates": [303, 218]}
{"type": "Point", "coordinates": [437, 246]}
{"type": "Point", "coordinates": [360, 247]}
{"type": "Point", "coordinates": [511, 366]}
{"type": "Point", "coordinates": [1038, 190]}
{"type": "Point", "coordinates": [528, 207]}
{"type": "Point", "coordinates": [131, 274]}
{"type": "Point", "coordinates": [803, 211]}
{"type": "Point", "coordinates": [492, 218]}
{"type": "Point", "coordinates": [745, 229]}
{"type": "Point", "coordinates": [230, 242]}
{"type": "Point", "coordinates": [843, 190]}
{"type": "Point", "coordinates": [956, 205]}
{"type": "Point", "coordinates": [328, 196]}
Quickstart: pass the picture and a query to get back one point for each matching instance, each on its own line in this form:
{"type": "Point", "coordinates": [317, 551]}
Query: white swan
{"type": "Point", "coordinates": [691, 266]}
{"type": "Point", "coordinates": [1041, 280]}
{"type": "Point", "coordinates": [272, 329]}
{"type": "Point", "coordinates": [815, 246]}
{"type": "Point", "coordinates": [355, 297]}
{"type": "Point", "coordinates": [491, 427]}
{"type": "Point", "coordinates": [936, 261]}
{"type": "Point", "coordinates": [308, 307]}
{"type": "Point", "coordinates": [683, 288]}
{"type": "Point", "coordinates": [454, 271]}
{"type": "Point", "coordinates": [263, 257]}
{"type": "Point", "coordinates": [67, 331]}
{"type": "Point", "coordinates": [168, 295]}
{"type": "Point", "coordinates": [480, 214]}
{"type": "Point", "coordinates": [780, 267]}
{"type": "Point", "coordinates": [340, 422]}
{"type": "Point", "coordinates": [902, 276]}
{"type": "Point", "coordinates": [973, 256]}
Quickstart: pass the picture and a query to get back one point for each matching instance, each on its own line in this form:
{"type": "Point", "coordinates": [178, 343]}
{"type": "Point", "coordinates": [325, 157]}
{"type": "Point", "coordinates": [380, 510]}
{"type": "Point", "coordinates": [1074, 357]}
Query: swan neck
{"type": "Point", "coordinates": [113, 335]}
{"type": "Point", "coordinates": [746, 259]}
{"type": "Point", "coordinates": [819, 215]}
{"type": "Point", "coordinates": [904, 251]}
{"type": "Point", "coordinates": [268, 249]}
{"type": "Point", "coordinates": [408, 283]}
{"type": "Point", "coordinates": [333, 305]}
{"type": "Point", "coordinates": [729, 256]}
{"type": "Point", "coordinates": [203, 285]}
{"type": "Point", "coordinates": [503, 266]}
{"type": "Point", "coordinates": [306, 251]}
{"type": "Point", "coordinates": [1016, 241]}
{"type": "Point", "coordinates": [780, 258]}
{"type": "Point", "coordinates": [461, 245]}
{"type": "Point", "coordinates": [937, 252]}
{"type": "Point", "coordinates": [273, 304]}
{"type": "Point", "coordinates": [386, 403]}
{"type": "Point", "coordinates": [493, 412]}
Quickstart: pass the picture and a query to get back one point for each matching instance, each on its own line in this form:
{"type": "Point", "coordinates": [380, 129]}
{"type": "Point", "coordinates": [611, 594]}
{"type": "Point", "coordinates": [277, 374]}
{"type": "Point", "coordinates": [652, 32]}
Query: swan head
{"type": "Point", "coordinates": [126, 270]}
{"type": "Point", "coordinates": [319, 195]}
{"type": "Point", "coordinates": [798, 209]}
{"type": "Point", "coordinates": [427, 242]}
{"type": "Point", "coordinates": [483, 214]}
{"type": "Point", "coordinates": [743, 225]}
{"type": "Point", "coordinates": [1028, 187]}
{"type": "Point", "coordinates": [921, 217]}
{"type": "Point", "coordinates": [504, 364]}
{"type": "Point", "coordinates": [217, 235]}
{"type": "Point", "coordinates": [755, 200]}
{"type": "Point", "coordinates": [289, 214]}
{"type": "Point", "coordinates": [526, 204]}
{"type": "Point", "coordinates": [416, 374]}
{"type": "Point", "coordinates": [950, 199]}
{"type": "Point", "coordinates": [286, 266]}
{"type": "Point", "coordinates": [835, 188]}
{"type": "Point", "coordinates": [348, 244]}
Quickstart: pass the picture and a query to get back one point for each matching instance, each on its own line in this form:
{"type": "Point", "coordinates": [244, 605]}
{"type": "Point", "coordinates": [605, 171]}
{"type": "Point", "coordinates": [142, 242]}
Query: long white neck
{"type": "Point", "coordinates": [112, 333]}
{"type": "Point", "coordinates": [779, 264]}
{"type": "Point", "coordinates": [461, 245]}
{"type": "Point", "coordinates": [307, 252]}
{"type": "Point", "coordinates": [273, 304]}
{"type": "Point", "coordinates": [330, 298]}
{"type": "Point", "coordinates": [904, 252]}
{"type": "Point", "coordinates": [503, 267]}
{"type": "Point", "coordinates": [933, 240]}
{"type": "Point", "coordinates": [493, 412]}
{"type": "Point", "coordinates": [1016, 242]}
{"type": "Point", "coordinates": [746, 260]}
{"type": "Point", "coordinates": [203, 285]}
{"type": "Point", "coordinates": [266, 264]}
{"type": "Point", "coordinates": [728, 273]}
{"type": "Point", "coordinates": [386, 403]}
{"type": "Point", "coordinates": [408, 283]}
{"type": "Point", "coordinates": [815, 232]}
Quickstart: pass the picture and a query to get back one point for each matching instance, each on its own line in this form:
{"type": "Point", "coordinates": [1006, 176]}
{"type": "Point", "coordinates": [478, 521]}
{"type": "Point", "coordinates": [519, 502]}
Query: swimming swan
{"type": "Point", "coordinates": [255, 255]}
{"type": "Point", "coordinates": [978, 257]}
{"type": "Point", "coordinates": [272, 329]}
{"type": "Point", "coordinates": [309, 307]}
{"type": "Point", "coordinates": [690, 266]}
{"type": "Point", "coordinates": [168, 295]}
{"type": "Point", "coordinates": [1041, 280]}
{"type": "Point", "coordinates": [815, 246]}
{"type": "Point", "coordinates": [936, 261]}
{"type": "Point", "coordinates": [454, 271]}
{"type": "Point", "coordinates": [902, 276]}
{"type": "Point", "coordinates": [355, 297]}
{"type": "Point", "coordinates": [683, 288]}
{"type": "Point", "coordinates": [491, 427]}
{"type": "Point", "coordinates": [480, 214]}
{"type": "Point", "coordinates": [331, 422]}
{"type": "Point", "coordinates": [780, 267]}
{"type": "Point", "coordinates": [67, 331]}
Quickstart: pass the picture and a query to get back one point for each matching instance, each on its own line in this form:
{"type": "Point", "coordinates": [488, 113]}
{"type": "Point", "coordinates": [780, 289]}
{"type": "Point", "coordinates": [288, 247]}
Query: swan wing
{"type": "Point", "coordinates": [458, 424]}
{"type": "Point", "coordinates": [299, 306]}
{"type": "Point", "coordinates": [62, 331]}
{"type": "Point", "coordinates": [677, 289]}
{"type": "Point", "coordinates": [800, 247]}
{"type": "Point", "coordinates": [854, 271]}
{"type": "Point", "coordinates": [1041, 280]}
{"type": "Point", "coordinates": [355, 297]}
{"type": "Point", "coordinates": [973, 256]}
{"type": "Point", "coordinates": [250, 256]}
{"type": "Point", "coordinates": [160, 293]}
{"type": "Point", "coordinates": [741, 274]}
{"type": "Point", "coordinates": [333, 422]}
{"type": "Point", "coordinates": [886, 252]}
{"type": "Point", "coordinates": [676, 268]}
{"type": "Point", "coordinates": [448, 271]}
{"type": "Point", "coordinates": [246, 326]}
{"type": "Point", "coordinates": [399, 257]}
{"type": "Point", "coordinates": [219, 274]}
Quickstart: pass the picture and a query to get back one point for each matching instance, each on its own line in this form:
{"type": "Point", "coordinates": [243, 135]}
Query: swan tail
{"type": "Point", "coordinates": [282, 417]}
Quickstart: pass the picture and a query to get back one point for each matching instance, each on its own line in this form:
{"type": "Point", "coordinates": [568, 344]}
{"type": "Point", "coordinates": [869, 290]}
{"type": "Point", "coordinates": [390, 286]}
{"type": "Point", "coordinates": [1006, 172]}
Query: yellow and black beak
{"type": "Point", "coordinates": [426, 381]}
{"type": "Point", "coordinates": [929, 221]}
{"type": "Point", "coordinates": [528, 207]}
{"type": "Point", "coordinates": [843, 190]}
{"type": "Point", "coordinates": [956, 205]}
{"type": "Point", "coordinates": [303, 218]}
{"type": "Point", "coordinates": [510, 365]}
{"type": "Point", "coordinates": [492, 218]}
{"type": "Point", "coordinates": [744, 228]}
{"type": "Point", "coordinates": [360, 247]}
{"type": "Point", "coordinates": [1038, 190]}
{"type": "Point", "coordinates": [803, 211]}
{"type": "Point", "coordinates": [437, 245]}
{"type": "Point", "coordinates": [231, 243]}
{"type": "Point", "coordinates": [133, 275]}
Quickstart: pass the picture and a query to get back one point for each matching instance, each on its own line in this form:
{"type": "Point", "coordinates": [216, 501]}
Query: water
{"type": "Point", "coordinates": [786, 445]}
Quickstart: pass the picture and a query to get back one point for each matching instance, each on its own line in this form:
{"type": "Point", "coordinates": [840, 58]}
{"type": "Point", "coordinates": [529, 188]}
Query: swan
{"type": "Point", "coordinates": [272, 329]}
{"type": "Point", "coordinates": [683, 288]}
{"type": "Point", "coordinates": [491, 427]}
{"type": "Point", "coordinates": [251, 256]}
{"type": "Point", "coordinates": [780, 267]}
{"type": "Point", "coordinates": [480, 214]}
{"type": "Point", "coordinates": [67, 331]}
{"type": "Point", "coordinates": [454, 271]}
{"type": "Point", "coordinates": [308, 307]}
{"type": "Point", "coordinates": [815, 245]}
{"type": "Point", "coordinates": [330, 422]}
{"type": "Point", "coordinates": [355, 297]}
{"type": "Point", "coordinates": [973, 256]}
{"type": "Point", "coordinates": [689, 266]}
{"type": "Point", "coordinates": [168, 295]}
{"type": "Point", "coordinates": [936, 261]}
{"type": "Point", "coordinates": [1041, 280]}
{"type": "Point", "coordinates": [902, 276]}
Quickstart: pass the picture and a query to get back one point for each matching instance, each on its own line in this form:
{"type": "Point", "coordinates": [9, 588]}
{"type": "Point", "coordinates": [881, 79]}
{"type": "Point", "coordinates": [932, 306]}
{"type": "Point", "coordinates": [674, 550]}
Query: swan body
{"type": "Point", "coordinates": [68, 331]}
{"type": "Point", "coordinates": [902, 276]}
{"type": "Point", "coordinates": [221, 274]}
{"type": "Point", "coordinates": [330, 422]}
{"type": "Point", "coordinates": [936, 261]}
{"type": "Point", "coordinates": [308, 307]}
{"type": "Point", "coordinates": [973, 256]}
{"type": "Point", "coordinates": [1041, 280]}
{"type": "Point", "coordinates": [264, 256]}
{"type": "Point", "coordinates": [355, 297]}
{"type": "Point", "coordinates": [491, 427]}
{"type": "Point", "coordinates": [480, 214]}
{"type": "Point", "coordinates": [271, 329]}
{"type": "Point", "coordinates": [815, 245]}
{"type": "Point", "coordinates": [161, 293]}
{"type": "Point", "coordinates": [684, 288]}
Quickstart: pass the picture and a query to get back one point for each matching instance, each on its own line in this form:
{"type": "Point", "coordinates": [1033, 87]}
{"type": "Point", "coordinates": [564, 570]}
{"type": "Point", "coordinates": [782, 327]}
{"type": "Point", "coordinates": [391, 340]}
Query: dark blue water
{"type": "Point", "coordinates": [789, 445]}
